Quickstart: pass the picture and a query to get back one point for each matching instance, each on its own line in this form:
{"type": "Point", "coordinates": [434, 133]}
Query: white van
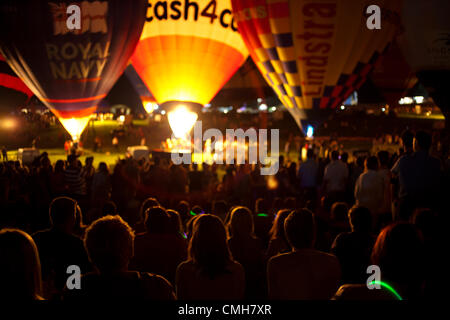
{"type": "Point", "coordinates": [138, 152]}
{"type": "Point", "coordinates": [27, 155]}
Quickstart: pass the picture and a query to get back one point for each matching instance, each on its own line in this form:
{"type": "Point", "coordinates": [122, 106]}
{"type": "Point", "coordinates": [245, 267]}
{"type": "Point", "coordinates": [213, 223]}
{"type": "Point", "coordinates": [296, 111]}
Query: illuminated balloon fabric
{"type": "Point", "coordinates": [70, 71]}
{"type": "Point", "coordinates": [9, 79]}
{"type": "Point", "coordinates": [426, 45]}
{"type": "Point", "coordinates": [393, 75]}
{"type": "Point", "coordinates": [188, 49]}
{"type": "Point", "coordinates": [314, 54]}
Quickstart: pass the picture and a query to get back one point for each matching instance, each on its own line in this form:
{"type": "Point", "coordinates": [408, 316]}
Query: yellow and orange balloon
{"type": "Point", "coordinates": [188, 49]}
{"type": "Point", "coordinates": [314, 54]}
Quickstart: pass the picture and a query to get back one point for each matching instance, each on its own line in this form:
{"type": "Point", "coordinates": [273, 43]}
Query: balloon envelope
{"type": "Point", "coordinates": [70, 71]}
{"type": "Point", "coordinates": [314, 54]}
{"type": "Point", "coordinates": [9, 79]}
{"type": "Point", "coordinates": [188, 49]}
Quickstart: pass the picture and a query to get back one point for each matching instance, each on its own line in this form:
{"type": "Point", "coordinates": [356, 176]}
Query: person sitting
{"type": "Point", "coordinates": [353, 248]}
{"type": "Point", "coordinates": [304, 273]}
{"type": "Point", "coordinates": [247, 249]}
{"type": "Point", "coordinates": [278, 242]}
{"type": "Point", "coordinates": [109, 242]}
{"type": "Point", "coordinates": [399, 253]}
{"type": "Point", "coordinates": [210, 273]}
{"type": "Point", "coordinates": [59, 247]}
{"type": "Point", "coordinates": [159, 250]}
{"type": "Point", "coordinates": [20, 267]}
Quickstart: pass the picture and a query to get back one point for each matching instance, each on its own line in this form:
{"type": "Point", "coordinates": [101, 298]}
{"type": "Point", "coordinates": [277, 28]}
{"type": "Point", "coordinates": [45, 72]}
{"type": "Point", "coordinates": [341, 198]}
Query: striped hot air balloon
{"type": "Point", "coordinates": [188, 49]}
{"type": "Point", "coordinates": [70, 71]}
{"type": "Point", "coordinates": [314, 54]}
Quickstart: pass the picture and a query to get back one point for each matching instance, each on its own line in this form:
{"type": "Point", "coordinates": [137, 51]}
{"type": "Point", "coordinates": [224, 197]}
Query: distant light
{"type": "Point", "coordinates": [263, 107]}
{"type": "Point", "coordinates": [150, 107]}
{"type": "Point", "coordinates": [272, 183]}
{"type": "Point", "coordinates": [8, 123]}
{"type": "Point", "coordinates": [259, 100]}
{"type": "Point", "coordinates": [122, 118]}
{"type": "Point", "coordinates": [225, 111]}
{"type": "Point", "coordinates": [383, 109]}
{"type": "Point", "coordinates": [163, 112]}
{"type": "Point", "coordinates": [272, 109]}
{"type": "Point", "coordinates": [406, 100]}
{"type": "Point", "coordinates": [342, 107]}
{"type": "Point", "coordinates": [428, 113]}
{"type": "Point", "coordinates": [310, 131]}
{"type": "Point", "coordinates": [208, 105]}
{"type": "Point", "coordinates": [419, 99]}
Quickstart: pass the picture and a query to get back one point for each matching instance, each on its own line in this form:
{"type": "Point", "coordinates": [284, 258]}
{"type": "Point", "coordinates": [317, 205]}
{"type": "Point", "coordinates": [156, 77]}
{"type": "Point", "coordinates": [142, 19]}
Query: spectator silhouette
{"type": "Point", "coordinates": [19, 266]}
{"type": "Point", "coordinates": [278, 242]}
{"type": "Point", "coordinates": [304, 273]}
{"type": "Point", "coordinates": [210, 273]}
{"type": "Point", "coordinates": [399, 253]}
{"type": "Point", "coordinates": [353, 248]}
{"type": "Point", "coordinates": [247, 249]}
{"type": "Point", "coordinates": [109, 242]}
{"type": "Point", "coordinates": [159, 250]}
{"type": "Point", "coordinates": [59, 247]}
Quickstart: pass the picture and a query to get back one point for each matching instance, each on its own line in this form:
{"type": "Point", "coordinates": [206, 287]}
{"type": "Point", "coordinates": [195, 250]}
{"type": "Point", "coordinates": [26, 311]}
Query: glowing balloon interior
{"type": "Point", "coordinates": [70, 71]}
{"type": "Point", "coordinates": [188, 50]}
{"type": "Point", "coordinates": [314, 54]}
{"type": "Point", "coordinates": [181, 121]}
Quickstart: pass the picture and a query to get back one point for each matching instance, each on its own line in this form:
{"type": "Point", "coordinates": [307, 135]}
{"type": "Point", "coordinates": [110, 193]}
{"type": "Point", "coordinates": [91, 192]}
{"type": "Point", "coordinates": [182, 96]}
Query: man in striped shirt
{"type": "Point", "coordinates": [73, 179]}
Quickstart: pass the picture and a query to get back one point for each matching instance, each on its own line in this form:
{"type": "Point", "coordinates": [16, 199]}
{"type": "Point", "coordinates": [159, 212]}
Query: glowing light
{"type": "Point", "coordinates": [310, 131]}
{"type": "Point", "coordinates": [150, 107]}
{"type": "Point", "coordinates": [304, 154]}
{"type": "Point", "coordinates": [121, 119]}
{"type": "Point", "coordinates": [263, 107]}
{"type": "Point", "coordinates": [419, 99]}
{"type": "Point", "coordinates": [74, 126]}
{"type": "Point", "coordinates": [342, 107]}
{"type": "Point", "coordinates": [163, 112]}
{"type": "Point", "coordinates": [383, 109]}
{"type": "Point", "coordinates": [272, 183]}
{"type": "Point", "coordinates": [8, 123]}
{"type": "Point", "coordinates": [387, 286]}
{"type": "Point", "coordinates": [181, 121]}
{"type": "Point", "coordinates": [406, 100]}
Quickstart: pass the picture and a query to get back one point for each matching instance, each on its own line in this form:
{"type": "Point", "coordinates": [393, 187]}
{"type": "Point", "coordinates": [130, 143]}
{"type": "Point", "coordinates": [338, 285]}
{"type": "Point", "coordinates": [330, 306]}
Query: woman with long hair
{"type": "Point", "coordinates": [210, 271]}
{"type": "Point", "coordinates": [247, 249]}
{"type": "Point", "coordinates": [278, 242]}
{"type": "Point", "coordinates": [20, 267]}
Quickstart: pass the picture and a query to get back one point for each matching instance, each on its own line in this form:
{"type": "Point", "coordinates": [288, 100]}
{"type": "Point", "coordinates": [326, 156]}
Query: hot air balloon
{"type": "Point", "coordinates": [314, 54]}
{"type": "Point", "coordinates": [426, 46]}
{"type": "Point", "coordinates": [8, 79]}
{"type": "Point", "coordinates": [187, 52]}
{"type": "Point", "coordinates": [70, 70]}
{"type": "Point", "coordinates": [393, 76]}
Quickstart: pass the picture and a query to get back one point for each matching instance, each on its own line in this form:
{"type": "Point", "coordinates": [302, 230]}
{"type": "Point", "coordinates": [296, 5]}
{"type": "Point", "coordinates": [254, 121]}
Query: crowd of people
{"type": "Point", "coordinates": [161, 231]}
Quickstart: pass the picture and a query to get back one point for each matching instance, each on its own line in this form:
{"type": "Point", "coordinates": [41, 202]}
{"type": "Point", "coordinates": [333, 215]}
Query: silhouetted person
{"type": "Point", "coordinates": [109, 242]}
{"type": "Point", "coordinates": [304, 273]}
{"type": "Point", "coordinates": [59, 247]}
{"type": "Point", "coordinates": [353, 248]}
{"type": "Point", "coordinates": [210, 273]}
{"type": "Point", "coordinates": [159, 250]}
{"type": "Point", "coordinates": [419, 176]}
{"type": "Point", "coordinates": [399, 253]}
{"type": "Point", "coordinates": [247, 249]}
{"type": "Point", "coordinates": [20, 267]}
{"type": "Point", "coordinates": [278, 242]}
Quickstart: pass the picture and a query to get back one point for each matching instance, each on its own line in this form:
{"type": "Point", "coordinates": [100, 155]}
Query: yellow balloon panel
{"type": "Point", "coordinates": [188, 49]}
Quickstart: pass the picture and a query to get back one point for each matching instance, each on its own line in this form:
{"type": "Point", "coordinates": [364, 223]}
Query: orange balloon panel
{"type": "Point", "coordinates": [187, 52]}
{"type": "Point", "coordinates": [185, 68]}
